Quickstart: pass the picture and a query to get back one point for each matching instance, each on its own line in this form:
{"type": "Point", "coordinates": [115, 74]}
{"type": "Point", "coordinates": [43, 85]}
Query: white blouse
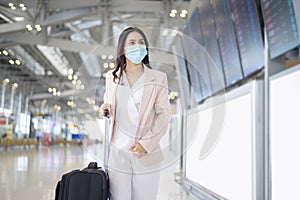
{"type": "Point", "coordinates": [128, 102]}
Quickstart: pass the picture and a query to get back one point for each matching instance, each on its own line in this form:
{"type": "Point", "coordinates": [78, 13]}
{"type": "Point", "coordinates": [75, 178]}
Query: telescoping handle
{"type": "Point", "coordinates": [105, 140]}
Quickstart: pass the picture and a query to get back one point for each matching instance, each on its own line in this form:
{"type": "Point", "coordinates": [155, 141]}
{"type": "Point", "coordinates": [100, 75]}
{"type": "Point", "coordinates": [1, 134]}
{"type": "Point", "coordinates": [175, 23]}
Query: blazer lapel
{"type": "Point", "coordinates": [148, 88]}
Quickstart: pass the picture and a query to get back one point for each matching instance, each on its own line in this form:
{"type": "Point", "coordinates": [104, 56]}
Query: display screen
{"type": "Point", "coordinates": [198, 54]}
{"type": "Point", "coordinates": [228, 165]}
{"type": "Point", "coordinates": [182, 73]}
{"type": "Point", "coordinates": [281, 25]}
{"type": "Point", "coordinates": [284, 134]}
{"type": "Point", "coordinates": [194, 27]}
{"type": "Point", "coordinates": [249, 34]}
{"type": "Point", "coordinates": [194, 75]}
{"type": "Point", "coordinates": [211, 45]}
{"type": "Point", "coordinates": [227, 42]}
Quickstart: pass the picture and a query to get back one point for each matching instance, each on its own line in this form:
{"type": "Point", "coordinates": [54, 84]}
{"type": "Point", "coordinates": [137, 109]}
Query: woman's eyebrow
{"type": "Point", "coordinates": [135, 40]}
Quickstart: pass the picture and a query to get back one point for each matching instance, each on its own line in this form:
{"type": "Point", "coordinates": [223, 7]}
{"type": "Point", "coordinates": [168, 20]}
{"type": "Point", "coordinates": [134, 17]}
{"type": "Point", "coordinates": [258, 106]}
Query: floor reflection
{"type": "Point", "coordinates": [33, 173]}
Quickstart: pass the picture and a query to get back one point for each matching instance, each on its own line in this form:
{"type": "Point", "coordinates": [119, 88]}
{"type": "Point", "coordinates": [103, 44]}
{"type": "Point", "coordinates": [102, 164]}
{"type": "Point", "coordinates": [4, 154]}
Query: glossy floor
{"type": "Point", "coordinates": [33, 173]}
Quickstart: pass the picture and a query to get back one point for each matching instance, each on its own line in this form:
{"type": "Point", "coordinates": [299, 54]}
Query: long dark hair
{"type": "Point", "coordinates": [120, 63]}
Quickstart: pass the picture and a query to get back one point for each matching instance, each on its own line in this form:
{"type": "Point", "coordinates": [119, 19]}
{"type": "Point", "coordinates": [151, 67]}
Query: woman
{"type": "Point", "coordinates": [137, 99]}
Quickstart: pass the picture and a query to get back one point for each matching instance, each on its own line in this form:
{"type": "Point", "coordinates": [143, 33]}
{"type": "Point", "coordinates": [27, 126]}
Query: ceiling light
{"type": "Point", "coordinates": [110, 57]}
{"type": "Point", "coordinates": [184, 12]}
{"type": "Point", "coordinates": [6, 80]}
{"type": "Point", "coordinates": [74, 82]}
{"type": "Point", "coordinates": [165, 32]}
{"type": "Point", "coordinates": [82, 87]}
{"type": "Point", "coordinates": [21, 5]}
{"type": "Point", "coordinates": [15, 85]}
{"type": "Point", "coordinates": [29, 27]}
{"type": "Point", "coordinates": [182, 15]}
{"type": "Point", "coordinates": [5, 53]}
{"type": "Point", "coordinates": [38, 27]}
{"type": "Point", "coordinates": [13, 8]}
{"type": "Point", "coordinates": [58, 93]}
{"type": "Point", "coordinates": [75, 77]}
{"type": "Point", "coordinates": [18, 62]}
{"type": "Point", "coordinates": [174, 11]}
{"type": "Point", "coordinates": [105, 65]}
{"type": "Point", "coordinates": [70, 71]}
{"type": "Point", "coordinates": [173, 33]}
{"type": "Point", "coordinates": [11, 4]}
{"type": "Point", "coordinates": [11, 62]}
{"type": "Point", "coordinates": [103, 57]}
{"type": "Point", "coordinates": [50, 90]}
{"type": "Point", "coordinates": [65, 71]}
{"type": "Point", "coordinates": [172, 14]}
{"type": "Point", "coordinates": [24, 8]}
{"type": "Point", "coordinates": [19, 19]}
{"type": "Point", "coordinates": [54, 90]}
{"type": "Point", "coordinates": [111, 65]}
{"type": "Point", "coordinates": [70, 77]}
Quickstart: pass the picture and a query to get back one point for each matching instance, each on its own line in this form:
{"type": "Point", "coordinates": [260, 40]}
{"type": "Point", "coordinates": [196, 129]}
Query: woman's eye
{"type": "Point", "coordinates": [142, 42]}
{"type": "Point", "coordinates": [131, 43]}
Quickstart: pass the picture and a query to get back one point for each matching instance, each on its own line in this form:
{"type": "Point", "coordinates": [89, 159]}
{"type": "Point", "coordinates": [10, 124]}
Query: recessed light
{"type": "Point", "coordinates": [172, 14]}
{"type": "Point", "coordinates": [184, 12]}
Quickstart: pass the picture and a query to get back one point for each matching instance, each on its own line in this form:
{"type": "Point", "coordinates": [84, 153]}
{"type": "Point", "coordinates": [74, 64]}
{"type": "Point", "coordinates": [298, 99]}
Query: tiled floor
{"type": "Point", "coordinates": [33, 173]}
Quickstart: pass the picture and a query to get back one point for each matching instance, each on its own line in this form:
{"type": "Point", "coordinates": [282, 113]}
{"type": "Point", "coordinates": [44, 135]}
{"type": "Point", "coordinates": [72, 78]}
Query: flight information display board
{"type": "Point", "coordinates": [227, 42]}
{"type": "Point", "coordinates": [211, 45]}
{"type": "Point", "coordinates": [194, 75]}
{"type": "Point", "coordinates": [195, 31]}
{"type": "Point", "coordinates": [183, 78]}
{"type": "Point", "coordinates": [249, 34]}
{"type": "Point", "coordinates": [198, 58]}
{"type": "Point", "coordinates": [281, 25]}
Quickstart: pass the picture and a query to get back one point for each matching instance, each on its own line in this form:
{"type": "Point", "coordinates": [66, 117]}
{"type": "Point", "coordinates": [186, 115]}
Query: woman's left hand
{"type": "Point", "coordinates": [137, 149]}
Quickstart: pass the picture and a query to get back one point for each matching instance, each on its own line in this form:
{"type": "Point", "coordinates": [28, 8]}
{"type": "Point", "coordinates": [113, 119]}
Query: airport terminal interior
{"type": "Point", "coordinates": [233, 71]}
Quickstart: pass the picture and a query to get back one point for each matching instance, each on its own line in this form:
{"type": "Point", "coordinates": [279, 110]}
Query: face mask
{"type": "Point", "coordinates": [136, 53]}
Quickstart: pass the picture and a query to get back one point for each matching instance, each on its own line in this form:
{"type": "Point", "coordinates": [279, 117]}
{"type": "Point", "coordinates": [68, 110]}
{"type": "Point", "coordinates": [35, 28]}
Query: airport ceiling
{"type": "Point", "coordinates": [70, 44]}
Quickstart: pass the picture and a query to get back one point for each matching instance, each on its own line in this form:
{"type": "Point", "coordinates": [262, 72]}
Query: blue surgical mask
{"type": "Point", "coordinates": [136, 53]}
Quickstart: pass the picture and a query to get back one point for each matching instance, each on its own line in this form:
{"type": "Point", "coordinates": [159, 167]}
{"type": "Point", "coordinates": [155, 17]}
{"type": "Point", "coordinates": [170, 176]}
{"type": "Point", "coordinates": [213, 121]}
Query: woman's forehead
{"type": "Point", "coordinates": [134, 36]}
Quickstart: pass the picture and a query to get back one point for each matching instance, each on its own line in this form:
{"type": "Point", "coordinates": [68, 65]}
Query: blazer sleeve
{"type": "Point", "coordinates": [161, 120]}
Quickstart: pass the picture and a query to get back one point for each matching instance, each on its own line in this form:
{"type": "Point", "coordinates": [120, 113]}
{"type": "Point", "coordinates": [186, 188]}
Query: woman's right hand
{"type": "Point", "coordinates": [103, 107]}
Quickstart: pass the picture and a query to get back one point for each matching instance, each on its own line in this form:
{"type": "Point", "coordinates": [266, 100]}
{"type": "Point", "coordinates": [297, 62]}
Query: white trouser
{"type": "Point", "coordinates": [130, 180]}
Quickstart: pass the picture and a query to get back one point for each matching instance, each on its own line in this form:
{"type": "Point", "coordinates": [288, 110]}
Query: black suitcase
{"type": "Point", "coordinates": [90, 183]}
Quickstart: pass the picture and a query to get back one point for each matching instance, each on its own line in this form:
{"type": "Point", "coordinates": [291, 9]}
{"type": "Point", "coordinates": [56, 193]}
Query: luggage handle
{"type": "Point", "coordinates": [105, 141]}
{"type": "Point", "coordinates": [93, 165]}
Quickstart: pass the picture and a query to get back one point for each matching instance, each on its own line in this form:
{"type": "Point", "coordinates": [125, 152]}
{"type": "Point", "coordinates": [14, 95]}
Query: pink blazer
{"type": "Point", "coordinates": [154, 116]}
